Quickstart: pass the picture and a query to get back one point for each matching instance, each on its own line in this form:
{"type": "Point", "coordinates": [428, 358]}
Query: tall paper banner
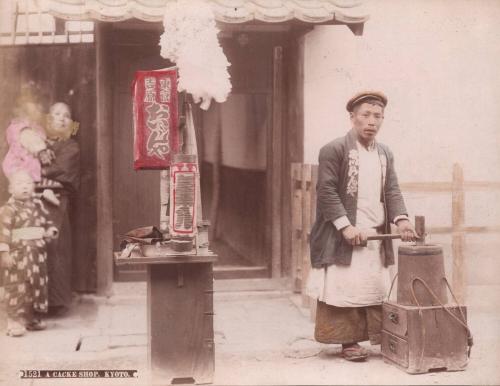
{"type": "Point", "coordinates": [183, 195]}
{"type": "Point", "coordinates": [156, 136]}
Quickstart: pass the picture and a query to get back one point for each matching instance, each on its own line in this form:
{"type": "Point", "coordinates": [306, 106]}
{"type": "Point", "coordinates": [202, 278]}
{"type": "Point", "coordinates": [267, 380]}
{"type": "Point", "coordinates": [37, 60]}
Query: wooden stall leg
{"type": "Point", "coordinates": [180, 323]}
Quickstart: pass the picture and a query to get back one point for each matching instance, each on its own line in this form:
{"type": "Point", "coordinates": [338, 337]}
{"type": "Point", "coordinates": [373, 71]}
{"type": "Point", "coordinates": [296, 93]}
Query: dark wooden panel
{"type": "Point", "coordinates": [244, 197]}
{"type": "Point", "coordinates": [104, 149]}
{"type": "Point", "coordinates": [63, 73]}
{"type": "Point", "coordinates": [434, 340]}
{"type": "Point", "coordinates": [250, 55]}
{"type": "Point", "coordinates": [275, 163]}
{"type": "Point", "coordinates": [136, 194]}
{"type": "Point", "coordinates": [180, 322]}
{"type": "Point", "coordinates": [293, 134]}
{"type": "Point", "coordinates": [395, 349]}
{"type": "Point", "coordinates": [394, 320]}
{"type": "Point", "coordinates": [241, 212]}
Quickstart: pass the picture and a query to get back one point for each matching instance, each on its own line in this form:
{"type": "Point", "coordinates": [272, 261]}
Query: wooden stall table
{"type": "Point", "coordinates": [180, 316]}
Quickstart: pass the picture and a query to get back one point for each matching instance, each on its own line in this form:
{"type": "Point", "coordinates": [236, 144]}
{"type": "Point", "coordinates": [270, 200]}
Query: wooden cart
{"type": "Point", "coordinates": [180, 316]}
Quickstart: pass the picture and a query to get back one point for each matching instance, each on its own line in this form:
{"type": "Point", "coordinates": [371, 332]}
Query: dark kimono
{"type": "Point", "coordinates": [65, 170]}
{"type": "Point", "coordinates": [337, 196]}
{"type": "Point", "coordinates": [22, 224]}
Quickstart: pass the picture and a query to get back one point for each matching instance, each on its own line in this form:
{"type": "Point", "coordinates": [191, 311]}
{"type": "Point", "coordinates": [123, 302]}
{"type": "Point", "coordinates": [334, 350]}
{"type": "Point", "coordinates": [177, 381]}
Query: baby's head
{"type": "Point", "coordinates": [59, 123]}
{"type": "Point", "coordinates": [28, 105]}
{"type": "Point", "coordinates": [21, 185]}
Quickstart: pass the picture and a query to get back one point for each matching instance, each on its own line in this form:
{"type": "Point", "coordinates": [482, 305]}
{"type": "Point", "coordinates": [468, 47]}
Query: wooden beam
{"type": "Point", "coordinates": [293, 142]}
{"type": "Point", "coordinates": [466, 229]}
{"type": "Point", "coordinates": [356, 28]}
{"type": "Point", "coordinates": [459, 276]}
{"type": "Point", "coordinates": [482, 229]}
{"type": "Point", "coordinates": [227, 29]}
{"type": "Point", "coordinates": [296, 225]}
{"type": "Point", "coordinates": [442, 186]}
{"type": "Point", "coordinates": [216, 179]}
{"type": "Point", "coordinates": [276, 162]}
{"type": "Point", "coordinates": [312, 218]}
{"type": "Point", "coordinates": [426, 186]}
{"type": "Point", "coordinates": [104, 149]}
{"type": "Point", "coordinates": [482, 185]}
{"type": "Point", "coordinates": [306, 225]}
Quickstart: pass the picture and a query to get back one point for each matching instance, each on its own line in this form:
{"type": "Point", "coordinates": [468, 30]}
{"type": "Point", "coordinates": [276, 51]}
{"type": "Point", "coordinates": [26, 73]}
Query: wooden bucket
{"type": "Point", "coordinates": [420, 266]}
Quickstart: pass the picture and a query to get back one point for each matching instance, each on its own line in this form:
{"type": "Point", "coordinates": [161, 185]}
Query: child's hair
{"type": "Point", "coordinates": [28, 94]}
{"type": "Point", "coordinates": [13, 177]}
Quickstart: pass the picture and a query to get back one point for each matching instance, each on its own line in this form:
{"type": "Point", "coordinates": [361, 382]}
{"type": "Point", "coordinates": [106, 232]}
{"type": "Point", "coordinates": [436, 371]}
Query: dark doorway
{"type": "Point", "coordinates": [235, 155]}
{"type": "Point", "coordinates": [233, 151]}
{"type": "Point", "coordinates": [71, 79]}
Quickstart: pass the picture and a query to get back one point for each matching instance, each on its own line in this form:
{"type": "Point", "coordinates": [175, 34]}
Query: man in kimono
{"type": "Point", "coordinates": [357, 196]}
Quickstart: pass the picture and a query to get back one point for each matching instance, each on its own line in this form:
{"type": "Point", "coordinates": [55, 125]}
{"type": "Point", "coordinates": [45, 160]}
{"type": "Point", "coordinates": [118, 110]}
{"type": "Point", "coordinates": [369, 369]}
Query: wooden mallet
{"type": "Point", "coordinates": [419, 228]}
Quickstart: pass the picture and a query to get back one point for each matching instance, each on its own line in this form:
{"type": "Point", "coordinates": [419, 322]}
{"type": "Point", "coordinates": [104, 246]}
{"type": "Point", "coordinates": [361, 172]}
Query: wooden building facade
{"type": "Point", "coordinates": [246, 144]}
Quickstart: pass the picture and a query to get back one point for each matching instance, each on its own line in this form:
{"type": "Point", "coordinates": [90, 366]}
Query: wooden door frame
{"type": "Point", "coordinates": [285, 145]}
{"type": "Point", "coordinates": [105, 34]}
{"type": "Point", "coordinates": [104, 150]}
{"type": "Point", "coordinates": [275, 163]}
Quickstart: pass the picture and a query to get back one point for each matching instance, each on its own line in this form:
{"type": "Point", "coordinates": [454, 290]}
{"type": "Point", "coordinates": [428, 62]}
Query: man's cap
{"type": "Point", "coordinates": [363, 96]}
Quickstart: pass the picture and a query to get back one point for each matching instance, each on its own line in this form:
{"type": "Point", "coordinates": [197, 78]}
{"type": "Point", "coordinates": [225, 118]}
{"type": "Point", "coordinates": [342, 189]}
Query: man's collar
{"type": "Point", "coordinates": [371, 147]}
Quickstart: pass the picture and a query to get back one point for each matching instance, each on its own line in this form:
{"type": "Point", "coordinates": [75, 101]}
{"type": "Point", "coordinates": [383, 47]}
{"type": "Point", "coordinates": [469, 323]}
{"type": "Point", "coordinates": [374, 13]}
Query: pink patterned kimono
{"type": "Point", "coordinates": [18, 158]}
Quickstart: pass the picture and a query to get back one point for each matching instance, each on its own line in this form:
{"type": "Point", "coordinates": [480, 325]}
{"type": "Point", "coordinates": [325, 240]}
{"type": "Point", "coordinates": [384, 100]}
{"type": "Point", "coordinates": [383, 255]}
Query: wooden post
{"type": "Point", "coordinates": [276, 162]}
{"type": "Point", "coordinates": [216, 180]}
{"type": "Point", "coordinates": [164, 200]}
{"type": "Point", "coordinates": [314, 180]}
{"type": "Point", "coordinates": [296, 226]}
{"type": "Point", "coordinates": [191, 147]}
{"type": "Point", "coordinates": [293, 141]}
{"type": "Point", "coordinates": [306, 225]}
{"type": "Point", "coordinates": [458, 236]}
{"type": "Point", "coordinates": [104, 150]}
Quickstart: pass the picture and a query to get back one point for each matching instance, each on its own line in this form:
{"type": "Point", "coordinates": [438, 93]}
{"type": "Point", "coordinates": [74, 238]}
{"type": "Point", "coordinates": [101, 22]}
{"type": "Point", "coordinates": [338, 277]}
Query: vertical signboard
{"type": "Point", "coordinates": [183, 195]}
{"type": "Point", "coordinates": [156, 136]}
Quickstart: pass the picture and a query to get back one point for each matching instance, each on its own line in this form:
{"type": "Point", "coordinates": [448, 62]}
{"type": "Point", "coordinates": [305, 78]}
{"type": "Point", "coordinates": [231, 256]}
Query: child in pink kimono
{"type": "Point", "coordinates": [27, 142]}
{"type": "Point", "coordinates": [24, 229]}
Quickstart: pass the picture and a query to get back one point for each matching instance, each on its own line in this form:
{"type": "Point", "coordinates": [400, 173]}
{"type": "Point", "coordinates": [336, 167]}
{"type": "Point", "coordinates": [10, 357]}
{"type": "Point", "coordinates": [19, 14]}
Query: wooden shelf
{"type": "Point", "coordinates": [167, 259]}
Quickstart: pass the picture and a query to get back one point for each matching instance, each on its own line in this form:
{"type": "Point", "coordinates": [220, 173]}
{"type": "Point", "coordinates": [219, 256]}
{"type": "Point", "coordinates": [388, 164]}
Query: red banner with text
{"type": "Point", "coordinates": [156, 137]}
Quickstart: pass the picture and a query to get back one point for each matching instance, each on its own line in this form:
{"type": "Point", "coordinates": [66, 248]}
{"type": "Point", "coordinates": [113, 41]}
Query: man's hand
{"type": "Point", "coordinates": [353, 235]}
{"type": "Point", "coordinates": [406, 230]}
{"type": "Point", "coordinates": [7, 260]}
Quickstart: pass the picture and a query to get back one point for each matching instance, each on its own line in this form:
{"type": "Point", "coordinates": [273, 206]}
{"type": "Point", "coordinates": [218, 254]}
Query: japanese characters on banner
{"type": "Point", "coordinates": [183, 180]}
{"type": "Point", "coordinates": [155, 118]}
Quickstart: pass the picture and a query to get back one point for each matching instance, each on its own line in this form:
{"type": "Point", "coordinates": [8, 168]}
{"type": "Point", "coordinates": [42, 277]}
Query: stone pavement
{"type": "Point", "coordinates": [262, 338]}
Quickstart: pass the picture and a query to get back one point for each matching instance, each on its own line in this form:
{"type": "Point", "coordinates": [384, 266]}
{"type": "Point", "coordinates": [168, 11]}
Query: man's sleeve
{"type": "Point", "coordinates": [328, 199]}
{"type": "Point", "coordinates": [395, 203]}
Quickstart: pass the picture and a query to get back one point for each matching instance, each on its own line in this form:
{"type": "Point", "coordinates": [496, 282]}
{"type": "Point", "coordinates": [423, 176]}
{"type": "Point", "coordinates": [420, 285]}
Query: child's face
{"type": "Point", "coordinates": [61, 117]}
{"type": "Point", "coordinates": [21, 186]}
{"type": "Point", "coordinates": [33, 111]}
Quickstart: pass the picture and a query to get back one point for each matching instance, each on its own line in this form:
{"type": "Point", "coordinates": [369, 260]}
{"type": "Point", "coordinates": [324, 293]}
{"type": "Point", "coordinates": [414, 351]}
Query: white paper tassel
{"type": "Point", "coordinates": [190, 40]}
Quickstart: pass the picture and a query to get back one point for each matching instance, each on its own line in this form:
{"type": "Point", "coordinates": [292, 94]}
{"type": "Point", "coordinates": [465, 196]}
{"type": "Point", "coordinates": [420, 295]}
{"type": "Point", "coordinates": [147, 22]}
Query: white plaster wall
{"type": "Point", "coordinates": [439, 64]}
{"type": "Point", "coordinates": [438, 61]}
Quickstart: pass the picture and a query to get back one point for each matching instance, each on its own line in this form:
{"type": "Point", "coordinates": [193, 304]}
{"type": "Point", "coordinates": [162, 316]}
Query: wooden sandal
{"type": "Point", "coordinates": [36, 325]}
{"type": "Point", "coordinates": [15, 329]}
{"type": "Point", "coordinates": [354, 353]}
